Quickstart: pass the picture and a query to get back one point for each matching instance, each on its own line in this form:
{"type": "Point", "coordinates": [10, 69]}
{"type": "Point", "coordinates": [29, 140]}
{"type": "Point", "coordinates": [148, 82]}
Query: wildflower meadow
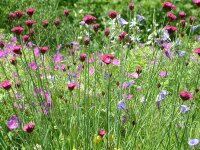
{"type": "Point", "coordinates": [99, 75]}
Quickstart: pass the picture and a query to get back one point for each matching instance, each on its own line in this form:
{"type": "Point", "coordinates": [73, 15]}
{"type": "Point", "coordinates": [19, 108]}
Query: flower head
{"type": "Point", "coordinates": [121, 105]}
{"type": "Point", "coordinates": [71, 86]}
{"type": "Point", "coordinates": [82, 57]}
{"type": "Point", "coordinates": [196, 2]}
{"type": "Point", "coordinates": [45, 23]}
{"type": "Point", "coordinates": [171, 16]}
{"type": "Point", "coordinates": [43, 49]}
{"type": "Point", "coordinates": [185, 95]}
{"type": "Point", "coordinates": [17, 30]}
{"type": "Point", "coordinates": [101, 132]}
{"type": "Point", "coordinates": [95, 27]}
{"type": "Point", "coordinates": [18, 13]}
{"type": "Point", "coordinates": [106, 31]}
{"type": "Point", "coordinates": [6, 84]}
{"type": "Point", "coordinates": [197, 50]}
{"type": "Point", "coordinates": [131, 6]}
{"type": "Point", "coordinates": [193, 142]}
{"type": "Point", "coordinates": [29, 23]}
{"type": "Point", "coordinates": [29, 127]}
{"type": "Point", "coordinates": [13, 122]}
{"type": "Point", "coordinates": [107, 58]}
{"type": "Point", "coordinates": [168, 6]}
{"type": "Point", "coordinates": [66, 12]}
{"type": "Point", "coordinates": [112, 14]}
{"type": "Point", "coordinates": [170, 29]}
{"type": "Point", "coordinates": [89, 19]}
{"type": "Point", "coordinates": [182, 14]}
{"type": "Point", "coordinates": [30, 11]}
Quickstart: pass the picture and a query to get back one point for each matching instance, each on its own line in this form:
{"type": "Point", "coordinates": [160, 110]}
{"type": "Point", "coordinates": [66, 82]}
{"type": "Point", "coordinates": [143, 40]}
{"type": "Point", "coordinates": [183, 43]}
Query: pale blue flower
{"type": "Point", "coordinates": [193, 142]}
{"type": "Point", "coordinates": [121, 21]}
{"type": "Point", "coordinates": [121, 105]}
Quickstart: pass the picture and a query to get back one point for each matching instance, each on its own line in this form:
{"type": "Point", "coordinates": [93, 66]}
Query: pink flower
{"type": "Point", "coordinates": [12, 15]}
{"type": "Point", "coordinates": [185, 95]}
{"type": "Point", "coordinates": [29, 23]}
{"type": "Point", "coordinates": [106, 31]}
{"type": "Point", "coordinates": [115, 62]}
{"type": "Point", "coordinates": [86, 40]}
{"type": "Point", "coordinates": [95, 27]}
{"type": "Point", "coordinates": [122, 35]}
{"type": "Point", "coordinates": [82, 57]}
{"type": "Point", "coordinates": [17, 30]}
{"type": "Point", "coordinates": [43, 49]}
{"type": "Point", "coordinates": [45, 23]}
{"type": "Point", "coordinates": [71, 86]}
{"type": "Point", "coordinates": [107, 58]}
{"type": "Point", "coordinates": [18, 13]}
{"type": "Point", "coordinates": [17, 49]}
{"type": "Point", "coordinates": [101, 132]}
{"type": "Point", "coordinates": [182, 22]}
{"type": "Point", "coordinates": [66, 12]}
{"type": "Point", "coordinates": [197, 2]}
{"type": "Point", "coordinates": [25, 38]}
{"type": "Point", "coordinates": [197, 50]}
{"type": "Point", "coordinates": [91, 70]}
{"type": "Point", "coordinates": [56, 21]}
{"type": "Point", "coordinates": [6, 84]}
{"type": "Point", "coordinates": [170, 29]}
{"type": "Point", "coordinates": [131, 6]}
{"type": "Point", "coordinates": [133, 74]}
{"type": "Point", "coordinates": [29, 127]}
{"type": "Point", "coordinates": [33, 65]}
{"type": "Point", "coordinates": [171, 16]}
{"type": "Point", "coordinates": [168, 6]}
{"type": "Point", "coordinates": [182, 14]}
{"type": "Point", "coordinates": [112, 14]}
{"type": "Point", "coordinates": [30, 11]}
{"type": "Point", "coordinates": [89, 19]}
{"type": "Point", "coordinates": [162, 73]}
{"type": "Point", "coordinates": [57, 57]}
{"type": "Point", "coordinates": [192, 19]}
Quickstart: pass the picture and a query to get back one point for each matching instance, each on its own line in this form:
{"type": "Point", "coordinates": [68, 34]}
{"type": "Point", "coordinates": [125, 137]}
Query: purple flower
{"type": "Point", "coordinates": [180, 53]}
{"type": "Point", "coordinates": [33, 65]}
{"type": "Point", "coordinates": [161, 95]}
{"type": "Point", "coordinates": [197, 37]}
{"type": "Point", "coordinates": [57, 57]}
{"type": "Point", "coordinates": [121, 21]}
{"type": "Point", "coordinates": [195, 28]}
{"type": "Point", "coordinates": [193, 142]}
{"type": "Point", "coordinates": [127, 96]}
{"type": "Point", "coordinates": [121, 105]}
{"type": "Point", "coordinates": [184, 108]}
{"type": "Point", "coordinates": [91, 70]}
{"type": "Point", "coordinates": [140, 18]}
{"type": "Point", "coordinates": [82, 23]}
{"type": "Point", "coordinates": [13, 122]}
{"type": "Point", "coordinates": [115, 62]}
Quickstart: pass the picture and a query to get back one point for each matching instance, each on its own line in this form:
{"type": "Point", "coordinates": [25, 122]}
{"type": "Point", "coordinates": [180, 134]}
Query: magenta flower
{"type": "Point", "coordinates": [168, 6]}
{"type": "Point", "coordinates": [185, 95]}
{"type": "Point", "coordinates": [29, 23]}
{"type": "Point", "coordinates": [17, 49]}
{"type": "Point", "coordinates": [131, 6]}
{"type": "Point", "coordinates": [162, 73]}
{"type": "Point", "coordinates": [30, 11]}
{"type": "Point", "coordinates": [13, 122]}
{"type": "Point", "coordinates": [66, 12]}
{"type": "Point", "coordinates": [95, 27]}
{"type": "Point", "coordinates": [112, 14]}
{"type": "Point", "coordinates": [6, 84]}
{"type": "Point", "coordinates": [82, 56]}
{"type": "Point", "coordinates": [17, 30]}
{"type": "Point", "coordinates": [197, 50]}
{"type": "Point", "coordinates": [171, 16]}
{"type": "Point", "coordinates": [182, 14]}
{"type": "Point", "coordinates": [197, 2]}
{"type": "Point", "coordinates": [43, 49]}
{"type": "Point", "coordinates": [29, 127]}
{"type": "Point", "coordinates": [170, 29]}
{"type": "Point", "coordinates": [57, 57]}
{"type": "Point", "coordinates": [122, 35]}
{"type": "Point", "coordinates": [89, 19]}
{"type": "Point", "coordinates": [71, 86]}
{"type": "Point", "coordinates": [192, 19]}
{"type": "Point", "coordinates": [107, 58]}
{"type": "Point", "coordinates": [101, 132]}
{"type": "Point", "coordinates": [33, 65]}
{"type": "Point", "coordinates": [18, 13]}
